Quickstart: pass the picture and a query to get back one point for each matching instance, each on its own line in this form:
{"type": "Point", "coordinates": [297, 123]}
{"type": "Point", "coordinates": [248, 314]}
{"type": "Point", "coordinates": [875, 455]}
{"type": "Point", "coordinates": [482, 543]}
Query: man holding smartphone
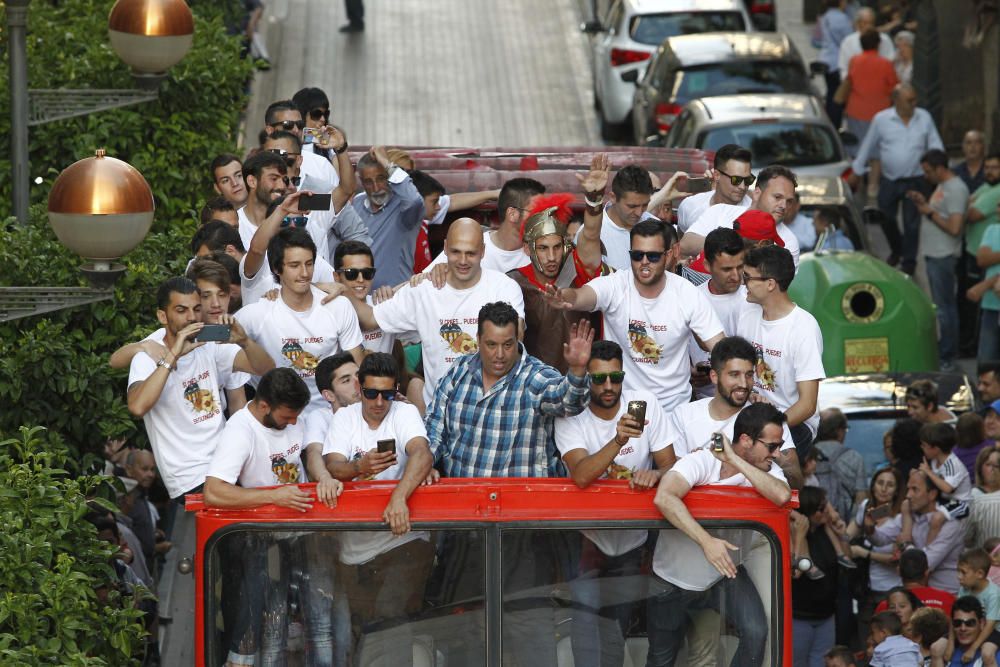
{"type": "Point", "coordinates": [384, 573]}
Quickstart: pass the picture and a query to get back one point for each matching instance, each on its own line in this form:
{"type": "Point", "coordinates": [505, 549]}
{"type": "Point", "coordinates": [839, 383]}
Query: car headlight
{"type": "Point", "coordinates": [863, 303]}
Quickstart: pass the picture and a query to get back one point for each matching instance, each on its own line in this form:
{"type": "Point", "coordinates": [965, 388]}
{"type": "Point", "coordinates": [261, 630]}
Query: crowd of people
{"type": "Point", "coordinates": [314, 338]}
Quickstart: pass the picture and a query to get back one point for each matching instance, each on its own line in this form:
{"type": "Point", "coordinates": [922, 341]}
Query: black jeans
{"type": "Point", "coordinates": [355, 12]}
{"type": "Point", "coordinates": [890, 195]}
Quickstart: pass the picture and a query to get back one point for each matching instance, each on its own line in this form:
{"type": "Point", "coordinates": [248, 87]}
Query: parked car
{"type": "Point", "coordinates": [631, 31]}
{"type": "Point", "coordinates": [779, 128]}
{"type": "Point", "coordinates": [724, 63]}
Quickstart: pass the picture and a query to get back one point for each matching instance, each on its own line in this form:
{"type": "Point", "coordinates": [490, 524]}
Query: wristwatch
{"type": "Point", "coordinates": [340, 150]}
{"type": "Point", "coordinates": [163, 363]}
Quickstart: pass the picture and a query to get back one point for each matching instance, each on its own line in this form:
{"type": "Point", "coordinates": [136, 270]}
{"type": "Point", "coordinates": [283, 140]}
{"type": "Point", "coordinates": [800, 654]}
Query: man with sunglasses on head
{"type": "Point", "coordinates": [774, 188]}
{"type": "Point", "coordinates": [384, 574]}
{"type": "Point", "coordinates": [318, 173]}
{"type": "Point", "coordinates": [731, 180]}
{"type": "Point", "coordinates": [606, 442]}
{"type": "Point", "coordinates": [650, 312]}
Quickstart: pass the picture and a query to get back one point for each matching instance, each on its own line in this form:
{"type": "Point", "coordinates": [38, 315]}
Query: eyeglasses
{"type": "Point", "coordinates": [653, 257]}
{"type": "Point", "coordinates": [294, 221]}
{"type": "Point", "coordinates": [316, 114]}
{"type": "Point", "coordinates": [287, 125]}
{"type": "Point", "coordinates": [736, 180]}
{"type": "Point", "coordinates": [615, 376]}
{"type": "Point", "coordinates": [748, 278]}
{"type": "Point", "coordinates": [295, 180]}
{"type": "Point", "coordinates": [386, 394]}
{"type": "Point", "coordinates": [968, 622]}
{"type": "Point", "coordinates": [352, 274]}
{"type": "Point", "coordinates": [772, 447]}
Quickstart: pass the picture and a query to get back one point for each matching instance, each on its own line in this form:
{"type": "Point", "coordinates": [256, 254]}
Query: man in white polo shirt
{"type": "Point", "coordinates": [605, 442]}
{"type": "Point", "coordinates": [695, 568]}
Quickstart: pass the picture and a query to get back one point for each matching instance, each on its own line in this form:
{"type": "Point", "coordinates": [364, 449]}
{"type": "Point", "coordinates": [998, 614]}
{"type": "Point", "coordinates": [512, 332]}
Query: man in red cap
{"type": "Point", "coordinates": [775, 186]}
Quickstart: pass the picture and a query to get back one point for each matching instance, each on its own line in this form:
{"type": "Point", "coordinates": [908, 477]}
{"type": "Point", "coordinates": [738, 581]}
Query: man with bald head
{"type": "Point", "coordinates": [899, 136]}
{"type": "Point", "coordinates": [445, 319]}
{"type": "Point", "coordinates": [851, 46]}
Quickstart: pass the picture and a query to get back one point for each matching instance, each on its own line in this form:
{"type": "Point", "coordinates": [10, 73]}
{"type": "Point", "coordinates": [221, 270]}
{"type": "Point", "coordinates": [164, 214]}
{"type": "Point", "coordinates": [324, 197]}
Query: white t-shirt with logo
{"type": "Point", "coordinates": [653, 333]}
{"type": "Point", "coordinates": [677, 558]}
{"type": "Point", "coordinates": [377, 340]}
{"type": "Point", "coordinates": [724, 215]}
{"type": "Point", "coordinates": [317, 426]}
{"type": "Point", "coordinates": [691, 208]}
{"type": "Point", "coordinates": [185, 422]}
{"type": "Point", "coordinates": [255, 456]}
{"type": "Point", "coordinates": [789, 350]}
{"type": "Point", "coordinates": [318, 224]}
{"type": "Point", "coordinates": [351, 437]}
{"type": "Point", "coordinates": [495, 257]}
{"type": "Point", "coordinates": [690, 427]}
{"type": "Point", "coordinates": [728, 307]}
{"type": "Point", "coordinates": [300, 340]}
{"type": "Point", "coordinates": [589, 432]}
{"type": "Point", "coordinates": [446, 319]}
{"type": "Point", "coordinates": [253, 289]}
{"type": "Point", "coordinates": [236, 379]}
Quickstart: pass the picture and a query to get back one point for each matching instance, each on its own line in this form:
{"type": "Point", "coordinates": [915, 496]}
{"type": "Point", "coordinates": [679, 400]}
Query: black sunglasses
{"type": "Point", "coordinates": [653, 257]}
{"type": "Point", "coordinates": [294, 221]}
{"type": "Point", "coordinates": [316, 114]}
{"type": "Point", "coordinates": [352, 274]}
{"type": "Point", "coordinates": [772, 447]}
{"type": "Point", "coordinates": [601, 378]}
{"type": "Point", "coordinates": [287, 125]}
{"type": "Point", "coordinates": [968, 622]}
{"type": "Point", "coordinates": [736, 180]}
{"type": "Point", "coordinates": [372, 394]}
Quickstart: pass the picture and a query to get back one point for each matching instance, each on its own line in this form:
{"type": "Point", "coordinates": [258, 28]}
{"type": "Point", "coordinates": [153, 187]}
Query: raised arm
{"type": "Point", "coordinates": [254, 260]}
{"type": "Point", "coordinates": [581, 298]}
{"type": "Point", "coordinates": [593, 185]}
{"type": "Point", "coordinates": [462, 201]}
{"type": "Point", "coordinates": [122, 357]}
{"type": "Point", "coordinates": [252, 358]}
{"type": "Point", "coordinates": [766, 484]}
{"type": "Point", "coordinates": [142, 396]}
{"type": "Point", "coordinates": [345, 189]}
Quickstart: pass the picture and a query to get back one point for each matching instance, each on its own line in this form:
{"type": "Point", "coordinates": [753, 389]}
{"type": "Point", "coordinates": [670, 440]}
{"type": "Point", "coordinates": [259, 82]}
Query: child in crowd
{"type": "Point", "coordinates": [992, 547]}
{"type": "Point", "coordinates": [839, 656]}
{"type": "Point", "coordinates": [889, 648]}
{"type": "Point", "coordinates": [973, 566]}
{"type": "Point", "coordinates": [929, 629]}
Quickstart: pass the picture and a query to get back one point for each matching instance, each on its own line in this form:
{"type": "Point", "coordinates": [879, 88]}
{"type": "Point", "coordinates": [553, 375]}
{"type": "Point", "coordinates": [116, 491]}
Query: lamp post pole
{"type": "Point", "coordinates": [17, 26]}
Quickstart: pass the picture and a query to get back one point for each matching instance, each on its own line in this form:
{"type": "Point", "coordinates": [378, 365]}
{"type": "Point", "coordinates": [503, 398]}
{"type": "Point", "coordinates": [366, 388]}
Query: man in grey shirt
{"type": "Point", "coordinates": [941, 242]}
{"type": "Point", "coordinates": [392, 210]}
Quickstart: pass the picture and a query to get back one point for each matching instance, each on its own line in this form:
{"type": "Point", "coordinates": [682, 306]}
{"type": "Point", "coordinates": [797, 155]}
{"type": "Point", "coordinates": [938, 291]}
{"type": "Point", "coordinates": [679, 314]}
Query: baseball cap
{"type": "Point", "coordinates": [757, 226]}
{"type": "Point", "coordinates": [994, 406]}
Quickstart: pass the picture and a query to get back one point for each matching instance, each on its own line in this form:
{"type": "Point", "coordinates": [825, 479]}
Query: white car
{"type": "Point", "coordinates": [631, 32]}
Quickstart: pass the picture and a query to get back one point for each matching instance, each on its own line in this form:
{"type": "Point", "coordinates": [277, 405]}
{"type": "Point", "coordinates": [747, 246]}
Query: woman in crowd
{"type": "Point", "coordinates": [987, 472]}
{"type": "Point", "coordinates": [971, 440]}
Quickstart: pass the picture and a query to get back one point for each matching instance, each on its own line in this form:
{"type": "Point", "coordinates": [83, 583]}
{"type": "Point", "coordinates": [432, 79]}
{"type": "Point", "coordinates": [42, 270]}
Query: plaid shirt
{"type": "Point", "coordinates": [507, 431]}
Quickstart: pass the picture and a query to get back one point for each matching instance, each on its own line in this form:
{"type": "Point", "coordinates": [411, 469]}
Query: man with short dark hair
{"type": "Point", "coordinates": [913, 572]}
{"type": "Point", "coordinates": [651, 313]}
{"type": "Point", "coordinates": [219, 208]}
{"type": "Point", "coordinates": [788, 340]}
{"type": "Point", "coordinates": [731, 181]}
{"type": "Point", "coordinates": [215, 236]}
{"type": "Point", "coordinates": [631, 190]}
{"type": "Point", "coordinates": [318, 174]}
{"type": "Point", "coordinates": [773, 189]}
{"type": "Point", "coordinates": [968, 619]}
{"type": "Point", "coordinates": [988, 381]}
{"type": "Point", "coordinates": [699, 568]}
{"type": "Point", "coordinates": [941, 242]}
{"type": "Point", "coordinates": [227, 179]}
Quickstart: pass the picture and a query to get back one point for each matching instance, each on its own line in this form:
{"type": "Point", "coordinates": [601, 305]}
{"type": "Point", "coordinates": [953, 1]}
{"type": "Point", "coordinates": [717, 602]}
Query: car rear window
{"type": "Point", "coordinates": [734, 78]}
{"type": "Point", "coordinates": [789, 143]}
{"type": "Point", "coordinates": [652, 29]}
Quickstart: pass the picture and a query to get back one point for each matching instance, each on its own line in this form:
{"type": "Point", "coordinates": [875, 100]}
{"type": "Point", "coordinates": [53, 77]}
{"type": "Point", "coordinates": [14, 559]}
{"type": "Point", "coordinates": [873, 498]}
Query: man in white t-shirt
{"type": "Point", "coordinates": [297, 329]}
{"type": "Point", "coordinates": [384, 573]}
{"type": "Point", "coordinates": [775, 186]}
{"type": "Point", "coordinates": [788, 340]}
{"type": "Point", "coordinates": [178, 395]}
{"type": "Point", "coordinates": [337, 381]}
{"type": "Point", "coordinates": [445, 319]}
{"type": "Point", "coordinates": [651, 313]}
{"type": "Point", "coordinates": [262, 446]}
{"type": "Point", "coordinates": [606, 442]}
{"type": "Point", "coordinates": [318, 173]}
{"type": "Point", "coordinates": [695, 568]}
{"type": "Point", "coordinates": [731, 178]}
{"type": "Point", "coordinates": [631, 190]}
{"type": "Point", "coordinates": [227, 179]}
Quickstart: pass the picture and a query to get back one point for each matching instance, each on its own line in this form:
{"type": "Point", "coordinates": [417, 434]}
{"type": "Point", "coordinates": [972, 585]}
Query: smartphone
{"type": "Point", "coordinates": [637, 411]}
{"type": "Point", "coordinates": [881, 512]}
{"type": "Point", "coordinates": [215, 333]}
{"type": "Point", "coordinates": [388, 445]}
{"type": "Point", "coordinates": [717, 445]}
{"type": "Point", "coordinates": [314, 202]}
{"type": "Point", "coordinates": [696, 185]}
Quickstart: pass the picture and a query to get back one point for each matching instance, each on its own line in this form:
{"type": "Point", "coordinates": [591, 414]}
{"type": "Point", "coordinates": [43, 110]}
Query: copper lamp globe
{"type": "Point", "coordinates": [101, 208]}
{"type": "Point", "coordinates": [150, 36]}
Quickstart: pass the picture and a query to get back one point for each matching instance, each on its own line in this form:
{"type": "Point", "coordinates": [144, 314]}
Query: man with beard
{"type": "Point", "coordinates": [545, 242]}
{"type": "Point", "coordinates": [606, 442]}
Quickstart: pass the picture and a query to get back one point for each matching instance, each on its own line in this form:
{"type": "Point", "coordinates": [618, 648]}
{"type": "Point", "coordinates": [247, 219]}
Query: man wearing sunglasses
{"type": "Point", "coordinates": [774, 187]}
{"type": "Point", "coordinates": [383, 573]}
{"type": "Point", "coordinates": [651, 313]}
{"type": "Point", "coordinates": [700, 568]}
{"type": "Point", "coordinates": [606, 442]}
{"type": "Point", "coordinates": [318, 173]}
{"type": "Point", "coordinates": [968, 619]}
{"type": "Point", "coordinates": [731, 180]}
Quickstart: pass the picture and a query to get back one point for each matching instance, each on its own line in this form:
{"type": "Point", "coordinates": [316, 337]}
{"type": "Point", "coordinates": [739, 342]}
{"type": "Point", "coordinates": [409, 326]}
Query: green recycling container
{"type": "Point", "coordinates": [874, 318]}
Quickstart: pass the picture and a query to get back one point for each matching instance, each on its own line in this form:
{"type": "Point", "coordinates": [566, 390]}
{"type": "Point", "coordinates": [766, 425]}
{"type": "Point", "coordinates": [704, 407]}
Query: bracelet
{"type": "Point", "coordinates": [340, 150]}
{"type": "Point", "coordinates": [163, 363]}
{"type": "Point", "coordinates": [620, 444]}
{"type": "Point", "coordinates": [593, 204]}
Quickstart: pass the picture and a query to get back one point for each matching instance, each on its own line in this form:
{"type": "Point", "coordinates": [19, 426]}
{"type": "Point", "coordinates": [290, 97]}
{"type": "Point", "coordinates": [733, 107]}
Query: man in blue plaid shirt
{"type": "Point", "coordinates": [493, 415]}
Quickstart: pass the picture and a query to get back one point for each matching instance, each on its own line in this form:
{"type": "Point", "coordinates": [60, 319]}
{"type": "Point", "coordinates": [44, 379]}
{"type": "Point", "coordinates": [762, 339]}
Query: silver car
{"type": "Point", "coordinates": [788, 129]}
{"type": "Point", "coordinates": [629, 34]}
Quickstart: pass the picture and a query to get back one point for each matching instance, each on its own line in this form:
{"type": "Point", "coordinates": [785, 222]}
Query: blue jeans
{"type": "Point", "coordinates": [736, 600]}
{"type": "Point", "coordinates": [599, 626]}
{"type": "Point", "coordinates": [989, 334]}
{"type": "Point", "coordinates": [941, 278]}
{"type": "Point", "coordinates": [890, 195]}
{"type": "Point", "coordinates": [810, 640]}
